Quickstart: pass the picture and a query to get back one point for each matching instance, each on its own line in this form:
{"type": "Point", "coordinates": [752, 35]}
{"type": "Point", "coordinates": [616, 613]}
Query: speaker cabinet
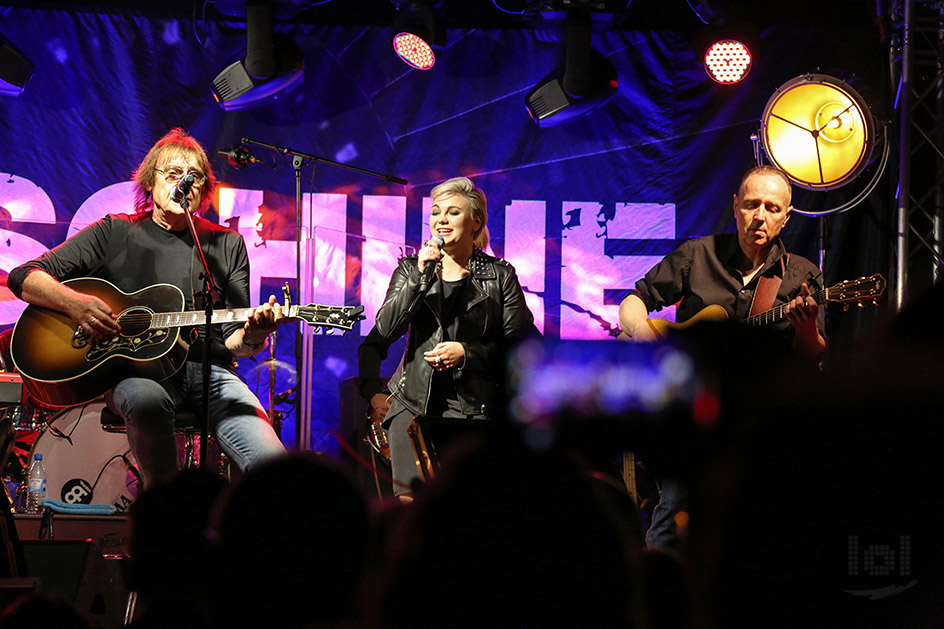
{"type": "Point", "coordinates": [79, 572]}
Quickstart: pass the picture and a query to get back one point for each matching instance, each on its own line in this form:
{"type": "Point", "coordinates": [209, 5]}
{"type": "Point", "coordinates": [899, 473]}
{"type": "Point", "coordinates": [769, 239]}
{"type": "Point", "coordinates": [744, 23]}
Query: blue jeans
{"type": "Point", "coordinates": [663, 532]}
{"type": "Point", "coordinates": [236, 418]}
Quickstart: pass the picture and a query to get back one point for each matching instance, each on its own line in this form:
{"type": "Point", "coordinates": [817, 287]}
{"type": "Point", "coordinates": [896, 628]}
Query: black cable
{"type": "Point", "coordinates": [106, 464]}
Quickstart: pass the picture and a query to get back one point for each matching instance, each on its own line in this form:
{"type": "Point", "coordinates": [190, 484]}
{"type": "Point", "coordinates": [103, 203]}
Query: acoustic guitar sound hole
{"type": "Point", "coordinates": [134, 321]}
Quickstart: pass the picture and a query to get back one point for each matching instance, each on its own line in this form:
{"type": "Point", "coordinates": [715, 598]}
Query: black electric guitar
{"type": "Point", "coordinates": [851, 291]}
{"type": "Point", "coordinates": [62, 365]}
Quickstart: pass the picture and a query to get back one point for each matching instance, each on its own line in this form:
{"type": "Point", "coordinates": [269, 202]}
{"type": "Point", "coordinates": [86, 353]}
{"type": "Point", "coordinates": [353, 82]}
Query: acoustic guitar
{"type": "Point", "coordinates": [848, 292]}
{"type": "Point", "coordinates": [63, 365]}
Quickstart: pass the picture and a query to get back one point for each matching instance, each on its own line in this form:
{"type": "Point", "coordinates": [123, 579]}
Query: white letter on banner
{"type": "Point", "coordinates": [275, 258]}
{"type": "Point", "coordinates": [525, 250]}
{"type": "Point", "coordinates": [324, 218]}
{"type": "Point", "coordinates": [118, 198]}
{"type": "Point", "coordinates": [25, 202]}
{"type": "Point", "coordinates": [642, 221]}
{"type": "Point", "coordinates": [384, 230]}
{"type": "Point", "coordinates": [586, 271]}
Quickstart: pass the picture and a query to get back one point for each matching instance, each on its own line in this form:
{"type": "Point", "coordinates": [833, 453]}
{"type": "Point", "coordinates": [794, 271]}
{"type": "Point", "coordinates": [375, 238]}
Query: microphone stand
{"type": "Point", "coordinates": [299, 159]}
{"type": "Point", "coordinates": [210, 295]}
{"type": "Point", "coordinates": [276, 424]}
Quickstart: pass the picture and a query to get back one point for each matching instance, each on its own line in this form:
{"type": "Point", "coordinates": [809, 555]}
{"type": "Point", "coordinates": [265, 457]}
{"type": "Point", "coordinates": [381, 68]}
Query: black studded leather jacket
{"type": "Point", "coordinates": [492, 314]}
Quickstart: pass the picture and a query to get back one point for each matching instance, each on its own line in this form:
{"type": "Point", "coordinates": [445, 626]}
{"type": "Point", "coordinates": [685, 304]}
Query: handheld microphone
{"type": "Point", "coordinates": [429, 271]}
{"type": "Point", "coordinates": [182, 189]}
{"type": "Point", "coordinates": [239, 156]}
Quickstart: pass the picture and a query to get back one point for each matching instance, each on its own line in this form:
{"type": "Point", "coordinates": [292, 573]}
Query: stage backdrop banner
{"type": "Point", "coordinates": [582, 210]}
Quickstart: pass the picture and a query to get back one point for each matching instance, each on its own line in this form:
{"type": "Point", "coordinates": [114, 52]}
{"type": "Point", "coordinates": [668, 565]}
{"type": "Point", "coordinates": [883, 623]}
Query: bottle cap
{"type": "Point", "coordinates": [38, 457]}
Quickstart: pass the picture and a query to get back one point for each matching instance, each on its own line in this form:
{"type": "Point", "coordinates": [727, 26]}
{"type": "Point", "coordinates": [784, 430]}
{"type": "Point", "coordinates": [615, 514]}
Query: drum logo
{"type": "Point", "coordinates": [77, 491]}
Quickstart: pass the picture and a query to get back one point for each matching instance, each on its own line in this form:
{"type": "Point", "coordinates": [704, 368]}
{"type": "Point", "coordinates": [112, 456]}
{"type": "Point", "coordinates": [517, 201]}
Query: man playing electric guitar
{"type": "Point", "coordinates": [155, 246]}
{"type": "Point", "coordinates": [745, 273]}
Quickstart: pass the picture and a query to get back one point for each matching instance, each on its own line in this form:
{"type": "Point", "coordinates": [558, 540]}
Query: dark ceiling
{"type": "Point", "coordinates": [631, 14]}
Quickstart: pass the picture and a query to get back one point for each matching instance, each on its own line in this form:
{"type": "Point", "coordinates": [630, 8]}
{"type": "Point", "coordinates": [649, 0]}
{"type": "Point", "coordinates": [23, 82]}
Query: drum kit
{"type": "Point", "coordinates": [84, 464]}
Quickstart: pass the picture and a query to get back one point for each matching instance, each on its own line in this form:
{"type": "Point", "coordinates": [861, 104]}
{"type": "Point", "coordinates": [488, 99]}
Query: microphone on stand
{"type": "Point", "coordinates": [283, 397]}
{"type": "Point", "coordinates": [429, 271]}
{"type": "Point", "coordinates": [182, 189]}
{"type": "Point", "coordinates": [239, 156]}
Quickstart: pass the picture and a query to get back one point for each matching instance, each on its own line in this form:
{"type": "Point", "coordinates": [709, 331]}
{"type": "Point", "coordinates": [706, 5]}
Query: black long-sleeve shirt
{"type": "Point", "coordinates": [133, 252]}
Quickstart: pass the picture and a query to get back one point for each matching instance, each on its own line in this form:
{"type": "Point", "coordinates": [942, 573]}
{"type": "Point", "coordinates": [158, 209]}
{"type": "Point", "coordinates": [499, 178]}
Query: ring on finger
{"type": "Point", "coordinates": [438, 360]}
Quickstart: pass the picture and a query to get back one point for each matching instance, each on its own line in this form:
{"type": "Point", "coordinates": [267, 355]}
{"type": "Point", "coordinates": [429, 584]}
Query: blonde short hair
{"type": "Point", "coordinates": [464, 187]}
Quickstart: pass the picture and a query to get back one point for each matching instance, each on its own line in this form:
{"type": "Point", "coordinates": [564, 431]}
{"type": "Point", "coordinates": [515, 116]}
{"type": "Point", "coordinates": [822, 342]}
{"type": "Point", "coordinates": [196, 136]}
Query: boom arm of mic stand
{"type": "Point", "coordinates": [315, 158]}
{"type": "Point", "coordinates": [298, 160]}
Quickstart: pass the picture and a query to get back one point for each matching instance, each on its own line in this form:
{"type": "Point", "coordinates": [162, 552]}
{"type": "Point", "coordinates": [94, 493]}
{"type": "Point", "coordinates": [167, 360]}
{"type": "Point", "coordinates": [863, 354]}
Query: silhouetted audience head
{"type": "Point", "coordinates": [821, 508]}
{"type": "Point", "coordinates": [668, 601]}
{"type": "Point", "coordinates": [169, 566]}
{"type": "Point", "coordinates": [169, 522]}
{"type": "Point", "coordinates": [292, 540]}
{"type": "Point", "coordinates": [39, 610]}
{"type": "Point", "coordinates": [509, 537]}
{"type": "Point", "coordinates": [909, 344]}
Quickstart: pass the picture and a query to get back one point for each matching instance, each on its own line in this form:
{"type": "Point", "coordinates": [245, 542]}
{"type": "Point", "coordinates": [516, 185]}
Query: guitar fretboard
{"type": "Point", "coordinates": [777, 313]}
{"type": "Point", "coordinates": [194, 317]}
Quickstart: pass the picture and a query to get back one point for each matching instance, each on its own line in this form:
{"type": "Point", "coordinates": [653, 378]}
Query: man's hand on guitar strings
{"type": "Point", "coordinates": [95, 317]}
{"type": "Point", "coordinates": [801, 312]}
{"type": "Point", "coordinates": [803, 308]}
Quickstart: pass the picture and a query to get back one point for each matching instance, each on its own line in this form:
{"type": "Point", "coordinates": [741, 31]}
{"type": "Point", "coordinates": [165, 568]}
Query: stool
{"type": "Point", "coordinates": [186, 424]}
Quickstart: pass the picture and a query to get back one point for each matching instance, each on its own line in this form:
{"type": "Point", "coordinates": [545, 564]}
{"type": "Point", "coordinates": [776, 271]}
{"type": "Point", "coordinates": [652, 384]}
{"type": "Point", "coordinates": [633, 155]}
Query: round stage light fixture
{"type": "Point", "coordinates": [418, 34]}
{"type": "Point", "coordinates": [728, 61]}
{"type": "Point", "coordinates": [414, 50]}
{"type": "Point", "coordinates": [819, 131]}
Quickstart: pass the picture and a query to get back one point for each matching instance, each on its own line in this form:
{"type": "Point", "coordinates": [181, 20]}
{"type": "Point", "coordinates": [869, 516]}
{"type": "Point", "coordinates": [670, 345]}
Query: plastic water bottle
{"type": "Point", "coordinates": [36, 479]}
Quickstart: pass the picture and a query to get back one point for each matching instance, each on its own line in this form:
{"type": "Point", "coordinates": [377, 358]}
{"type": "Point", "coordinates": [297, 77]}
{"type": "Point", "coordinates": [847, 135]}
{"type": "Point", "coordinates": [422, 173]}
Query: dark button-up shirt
{"type": "Point", "coordinates": [704, 271]}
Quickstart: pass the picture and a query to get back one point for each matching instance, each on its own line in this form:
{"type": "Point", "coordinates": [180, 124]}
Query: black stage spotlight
{"type": "Point", "coordinates": [418, 34]}
{"type": "Point", "coordinates": [587, 81]}
{"type": "Point", "coordinates": [271, 66]}
{"type": "Point", "coordinates": [15, 69]}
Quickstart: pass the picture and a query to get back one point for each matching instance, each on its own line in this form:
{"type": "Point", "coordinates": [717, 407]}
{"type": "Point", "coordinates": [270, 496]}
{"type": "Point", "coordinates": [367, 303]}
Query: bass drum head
{"type": "Point", "coordinates": [84, 464]}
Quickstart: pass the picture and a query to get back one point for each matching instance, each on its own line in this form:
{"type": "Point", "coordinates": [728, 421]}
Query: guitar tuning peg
{"type": "Point", "coordinates": [845, 307]}
{"type": "Point", "coordinates": [288, 295]}
{"type": "Point", "coordinates": [860, 304]}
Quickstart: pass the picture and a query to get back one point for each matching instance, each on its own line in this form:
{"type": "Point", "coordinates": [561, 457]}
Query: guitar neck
{"type": "Point", "coordinates": [198, 317]}
{"type": "Point", "coordinates": [777, 313]}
